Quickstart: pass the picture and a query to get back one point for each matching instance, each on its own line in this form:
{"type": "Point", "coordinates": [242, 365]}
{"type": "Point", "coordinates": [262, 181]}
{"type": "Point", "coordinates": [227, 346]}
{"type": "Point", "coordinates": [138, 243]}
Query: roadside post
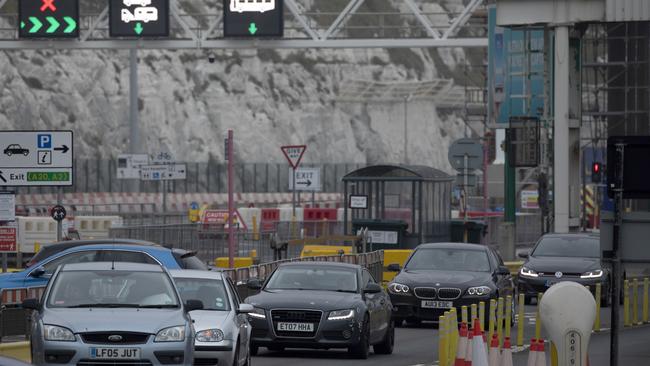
{"type": "Point", "coordinates": [465, 155]}
{"type": "Point", "coordinates": [293, 154]}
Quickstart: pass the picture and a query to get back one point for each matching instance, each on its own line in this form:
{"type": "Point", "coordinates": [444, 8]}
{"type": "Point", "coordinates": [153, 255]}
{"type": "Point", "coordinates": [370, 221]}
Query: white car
{"type": "Point", "coordinates": [146, 14]}
{"type": "Point", "coordinates": [136, 2]}
{"type": "Point", "coordinates": [222, 329]}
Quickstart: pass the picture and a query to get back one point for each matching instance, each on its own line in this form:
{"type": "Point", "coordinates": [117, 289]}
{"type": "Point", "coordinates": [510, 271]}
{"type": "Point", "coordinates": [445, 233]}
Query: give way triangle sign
{"type": "Point", "coordinates": [294, 154]}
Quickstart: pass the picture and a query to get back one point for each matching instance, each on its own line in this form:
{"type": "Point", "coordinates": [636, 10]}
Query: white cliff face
{"type": "Point", "coordinates": [268, 97]}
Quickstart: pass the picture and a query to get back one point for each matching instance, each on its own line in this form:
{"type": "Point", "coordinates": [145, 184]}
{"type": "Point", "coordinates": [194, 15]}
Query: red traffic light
{"type": "Point", "coordinates": [596, 167]}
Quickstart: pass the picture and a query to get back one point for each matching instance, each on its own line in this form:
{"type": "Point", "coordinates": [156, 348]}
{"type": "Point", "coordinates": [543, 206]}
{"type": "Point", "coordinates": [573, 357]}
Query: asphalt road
{"type": "Point", "coordinates": [418, 346]}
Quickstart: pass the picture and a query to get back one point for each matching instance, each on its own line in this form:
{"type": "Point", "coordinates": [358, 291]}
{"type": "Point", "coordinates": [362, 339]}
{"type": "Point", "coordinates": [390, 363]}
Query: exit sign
{"type": "Point", "coordinates": [48, 18]}
{"type": "Point", "coordinates": [253, 18]}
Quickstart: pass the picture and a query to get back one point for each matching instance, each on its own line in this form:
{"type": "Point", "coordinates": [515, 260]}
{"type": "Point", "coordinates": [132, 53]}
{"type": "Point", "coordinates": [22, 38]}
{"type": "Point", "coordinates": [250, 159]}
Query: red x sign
{"type": "Point", "coordinates": [48, 4]}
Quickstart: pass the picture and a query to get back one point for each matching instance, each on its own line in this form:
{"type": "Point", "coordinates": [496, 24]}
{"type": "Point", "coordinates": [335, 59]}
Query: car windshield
{"type": "Point", "coordinates": [112, 289]}
{"type": "Point", "coordinates": [442, 259]}
{"type": "Point", "coordinates": [580, 247]}
{"type": "Point", "coordinates": [313, 278]}
{"type": "Point", "coordinates": [211, 292]}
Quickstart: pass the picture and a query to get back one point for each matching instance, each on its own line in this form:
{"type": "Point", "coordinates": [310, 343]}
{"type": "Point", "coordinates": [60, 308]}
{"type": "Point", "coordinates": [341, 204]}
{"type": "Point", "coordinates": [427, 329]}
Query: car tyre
{"type": "Point", "coordinates": [413, 322]}
{"type": "Point", "coordinates": [235, 359]}
{"type": "Point", "coordinates": [387, 344]}
{"type": "Point", "coordinates": [26, 153]}
{"type": "Point", "coordinates": [528, 300]}
{"type": "Point", "coordinates": [254, 349]}
{"type": "Point", "coordinates": [8, 153]}
{"type": "Point", "coordinates": [248, 357]}
{"type": "Point", "coordinates": [361, 350]}
{"type": "Point", "coordinates": [276, 348]}
{"type": "Point", "coordinates": [398, 322]}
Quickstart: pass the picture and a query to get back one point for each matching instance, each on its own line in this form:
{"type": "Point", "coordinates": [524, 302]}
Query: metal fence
{"type": "Point", "coordinates": [99, 175]}
{"type": "Point", "coordinates": [528, 228]}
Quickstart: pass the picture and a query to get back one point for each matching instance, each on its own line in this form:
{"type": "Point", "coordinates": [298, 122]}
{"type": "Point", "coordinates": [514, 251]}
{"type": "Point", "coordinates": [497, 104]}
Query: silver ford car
{"type": "Point", "coordinates": [222, 329]}
{"type": "Point", "coordinates": [111, 313]}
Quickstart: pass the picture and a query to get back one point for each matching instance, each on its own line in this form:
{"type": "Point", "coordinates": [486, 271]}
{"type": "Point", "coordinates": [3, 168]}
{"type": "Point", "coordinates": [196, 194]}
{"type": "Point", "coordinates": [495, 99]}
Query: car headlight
{"type": "Point", "coordinates": [210, 335]}
{"type": "Point", "coordinates": [341, 314]}
{"type": "Point", "coordinates": [592, 274]}
{"type": "Point", "coordinates": [56, 333]}
{"type": "Point", "coordinates": [527, 272]}
{"type": "Point", "coordinates": [258, 313]}
{"type": "Point", "coordinates": [171, 334]}
{"type": "Point", "coordinates": [479, 291]}
{"type": "Point", "coordinates": [398, 289]}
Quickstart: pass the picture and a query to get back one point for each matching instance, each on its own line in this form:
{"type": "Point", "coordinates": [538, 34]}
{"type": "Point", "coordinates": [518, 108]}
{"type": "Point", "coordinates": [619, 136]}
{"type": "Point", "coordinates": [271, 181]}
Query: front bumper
{"type": "Point", "coordinates": [328, 334]}
{"type": "Point", "coordinates": [531, 286]}
{"type": "Point", "coordinates": [214, 353]}
{"type": "Point", "coordinates": [410, 307]}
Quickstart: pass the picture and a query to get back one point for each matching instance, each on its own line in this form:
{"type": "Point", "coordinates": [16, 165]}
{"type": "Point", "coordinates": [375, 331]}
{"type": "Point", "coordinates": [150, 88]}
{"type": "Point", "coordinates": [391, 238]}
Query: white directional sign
{"type": "Point", "coordinates": [307, 179]}
{"type": "Point", "coordinates": [36, 158]}
{"type": "Point", "coordinates": [128, 165]}
{"type": "Point", "coordinates": [7, 206]}
{"type": "Point", "coordinates": [163, 172]}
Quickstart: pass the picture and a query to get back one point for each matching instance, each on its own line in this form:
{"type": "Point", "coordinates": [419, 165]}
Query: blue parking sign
{"type": "Point", "coordinates": [44, 141]}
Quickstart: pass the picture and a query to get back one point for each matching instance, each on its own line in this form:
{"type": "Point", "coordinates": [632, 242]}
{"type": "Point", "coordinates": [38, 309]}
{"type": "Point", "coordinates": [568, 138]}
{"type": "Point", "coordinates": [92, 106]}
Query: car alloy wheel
{"type": "Point", "coordinates": [386, 345]}
{"type": "Point", "coordinates": [362, 349]}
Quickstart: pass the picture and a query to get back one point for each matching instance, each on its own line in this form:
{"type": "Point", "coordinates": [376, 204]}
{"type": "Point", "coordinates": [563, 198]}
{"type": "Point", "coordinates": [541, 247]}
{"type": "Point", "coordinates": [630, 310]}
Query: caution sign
{"type": "Point", "coordinates": [7, 239]}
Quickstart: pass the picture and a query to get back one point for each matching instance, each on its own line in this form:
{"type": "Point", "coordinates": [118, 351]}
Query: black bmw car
{"type": "Point", "coordinates": [564, 257]}
{"type": "Point", "coordinates": [321, 305]}
{"type": "Point", "coordinates": [437, 277]}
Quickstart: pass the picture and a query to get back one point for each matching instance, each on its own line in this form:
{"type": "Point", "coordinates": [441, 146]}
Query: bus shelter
{"type": "Point", "coordinates": [401, 205]}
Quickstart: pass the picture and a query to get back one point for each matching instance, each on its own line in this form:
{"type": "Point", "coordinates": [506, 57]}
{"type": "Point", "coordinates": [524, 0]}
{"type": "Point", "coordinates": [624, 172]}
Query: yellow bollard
{"type": "Point", "coordinates": [626, 303]}
{"type": "Point", "coordinates": [442, 341]}
{"type": "Point", "coordinates": [256, 231]}
{"type": "Point", "coordinates": [452, 329]}
{"type": "Point", "coordinates": [635, 301]}
{"type": "Point", "coordinates": [646, 283]}
{"type": "Point", "coordinates": [499, 320]}
{"type": "Point", "coordinates": [463, 314]}
{"type": "Point", "coordinates": [508, 317]}
{"type": "Point", "coordinates": [597, 297]}
{"type": "Point", "coordinates": [491, 317]}
{"type": "Point", "coordinates": [481, 314]}
{"type": "Point", "coordinates": [521, 319]}
{"type": "Point", "coordinates": [474, 313]}
{"type": "Point", "coordinates": [538, 321]}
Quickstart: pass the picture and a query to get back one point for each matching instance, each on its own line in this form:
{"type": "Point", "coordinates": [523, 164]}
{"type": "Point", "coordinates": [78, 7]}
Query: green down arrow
{"type": "Point", "coordinates": [138, 28]}
{"type": "Point", "coordinates": [72, 25]}
{"type": "Point", "coordinates": [36, 24]}
{"type": "Point", "coordinates": [252, 29]}
{"type": "Point", "coordinates": [54, 25]}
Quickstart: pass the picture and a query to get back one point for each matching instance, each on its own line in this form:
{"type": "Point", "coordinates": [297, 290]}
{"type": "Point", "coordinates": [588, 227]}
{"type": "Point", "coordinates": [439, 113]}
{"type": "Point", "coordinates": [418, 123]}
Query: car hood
{"type": "Point", "coordinates": [304, 299]}
{"type": "Point", "coordinates": [562, 264]}
{"type": "Point", "coordinates": [443, 278]}
{"type": "Point", "coordinates": [209, 319]}
{"type": "Point", "coordinates": [119, 319]}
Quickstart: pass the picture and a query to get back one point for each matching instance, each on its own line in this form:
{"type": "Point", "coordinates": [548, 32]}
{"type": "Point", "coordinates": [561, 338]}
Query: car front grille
{"type": "Point", "coordinates": [448, 293]}
{"type": "Point", "coordinates": [296, 316]}
{"type": "Point", "coordinates": [125, 338]}
{"type": "Point", "coordinates": [88, 362]}
{"type": "Point", "coordinates": [425, 292]}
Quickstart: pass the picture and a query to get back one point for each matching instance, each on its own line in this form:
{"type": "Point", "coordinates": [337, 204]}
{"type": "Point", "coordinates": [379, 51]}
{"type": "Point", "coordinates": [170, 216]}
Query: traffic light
{"type": "Point", "coordinates": [596, 172]}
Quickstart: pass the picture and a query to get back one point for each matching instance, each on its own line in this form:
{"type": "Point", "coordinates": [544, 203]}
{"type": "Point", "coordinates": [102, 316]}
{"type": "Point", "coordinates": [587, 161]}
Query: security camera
{"type": "Point", "coordinates": [211, 58]}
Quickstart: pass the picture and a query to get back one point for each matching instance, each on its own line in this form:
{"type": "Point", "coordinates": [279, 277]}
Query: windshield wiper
{"type": "Point", "coordinates": [104, 306]}
{"type": "Point", "coordinates": [158, 306]}
{"type": "Point", "coordinates": [348, 291]}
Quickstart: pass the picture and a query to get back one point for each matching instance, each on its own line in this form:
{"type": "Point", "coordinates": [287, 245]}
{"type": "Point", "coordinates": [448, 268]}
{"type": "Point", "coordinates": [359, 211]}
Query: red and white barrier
{"type": "Point", "coordinates": [16, 296]}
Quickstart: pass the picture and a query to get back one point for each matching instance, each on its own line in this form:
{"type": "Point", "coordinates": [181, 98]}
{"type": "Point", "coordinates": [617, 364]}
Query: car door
{"type": "Point", "coordinates": [373, 304]}
{"type": "Point", "coordinates": [504, 283]}
{"type": "Point", "coordinates": [241, 321]}
{"type": "Point", "coordinates": [384, 308]}
{"type": "Point", "coordinates": [51, 265]}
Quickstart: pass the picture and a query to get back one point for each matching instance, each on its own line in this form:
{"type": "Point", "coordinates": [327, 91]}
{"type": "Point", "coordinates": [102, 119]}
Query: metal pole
{"type": "Point", "coordinates": [134, 127]}
{"type": "Point", "coordinates": [561, 140]}
{"type": "Point", "coordinates": [231, 202]}
{"type": "Point", "coordinates": [616, 264]}
{"type": "Point", "coordinates": [293, 189]}
{"type": "Point", "coordinates": [313, 199]}
{"type": "Point", "coordinates": [406, 139]}
{"type": "Point", "coordinates": [465, 178]}
{"type": "Point", "coordinates": [59, 224]}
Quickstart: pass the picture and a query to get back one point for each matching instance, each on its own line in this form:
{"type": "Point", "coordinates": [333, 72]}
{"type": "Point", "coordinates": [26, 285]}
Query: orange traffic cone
{"type": "Point", "coordinates": [468, 353]}
{"type": "Point", "coordinates": [479, 355]}
{"type": "Point", "coordinates": [532, 353]}
{"type": "Point", "coordinates": [461, 350]}
{"type": "Point", "coordinates": [506, 354]}
{"type": "Point", "coordinates": [541, 354]}
{"type": "Point", "coordinates": [493, 358]}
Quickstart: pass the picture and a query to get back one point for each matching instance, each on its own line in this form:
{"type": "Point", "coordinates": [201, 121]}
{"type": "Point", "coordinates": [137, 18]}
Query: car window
{"type": "Point", "coordinates": [76, 257]}
{"type": "Point", "coordinates": [499, 259]}
{"type": "Point", "coordinates": [569, 246]}
{"type": "Point", "coordinates": [211, 292]}
{"type": "Point", "coordinates": [233, 290]}
{"type": "Point", "coordinates": [324, 278]}
{"type": "Point", "coordinates": [449, 259]}
{"type": "Point", "coordinates": [127, 256]}
{"type": "Point", "coordinates": [188, 260]}
{"type": "Point", "coordinates": [365, 278]}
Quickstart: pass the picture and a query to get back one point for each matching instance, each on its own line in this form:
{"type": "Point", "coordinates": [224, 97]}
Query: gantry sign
{"type": "Point", "coordinates": [48, 18]}
{"type": "Point", "coordinates": [239, 24]}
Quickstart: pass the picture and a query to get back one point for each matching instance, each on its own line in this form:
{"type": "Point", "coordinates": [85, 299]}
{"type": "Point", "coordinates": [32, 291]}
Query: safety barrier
{"type": "Point", "coordinates": [635, 302]}
{"type": "Point", "coordinates": [17, 350]}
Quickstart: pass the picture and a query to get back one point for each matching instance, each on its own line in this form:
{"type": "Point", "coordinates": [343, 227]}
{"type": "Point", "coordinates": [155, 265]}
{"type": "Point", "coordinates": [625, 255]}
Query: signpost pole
{"type": "Point", "coordinates": [293, 188]}
{"type": "Point", "coordinates": [465, 183]}
{"type": "Point", "coordinates": [134, 128]}
{"type": "Point", "coordinates": [231, 203]}
{"type": "Point", "coordinates": [59, 223]}
{"type": "Point", "coordinates": [616, 265]}
{"type": "Point", "coordinates": [5, 256]}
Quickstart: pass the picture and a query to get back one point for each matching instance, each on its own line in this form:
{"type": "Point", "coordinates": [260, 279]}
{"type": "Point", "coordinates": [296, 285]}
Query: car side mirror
{"type": "Point", "coordinates": [523, 255]}
{"type": "Point", "coordinates": [245, 309]}
{"type": "Point", "coordinates": [394, 267]}
{"type": "Point", "coordinates": [254, 284]}
{"type": "Point", "coordinates": [503, 270]}
{"type": "Point", "coordinates": [372, 288]}
{"type": "Point", "coordinates": [38, 272]}
{"type": "Point", "coordinates": [191, 305]}
{"type": "Point", "coordinates": [32, 304]}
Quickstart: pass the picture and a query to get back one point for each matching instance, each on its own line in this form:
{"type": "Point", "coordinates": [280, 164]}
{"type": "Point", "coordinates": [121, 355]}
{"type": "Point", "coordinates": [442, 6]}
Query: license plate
{"type": "Point", "coordinates": [115, 353]}
{"type": "Point", "coordinates": [296, 327]}
{"type": "Point", "coordinates": [430, 304]}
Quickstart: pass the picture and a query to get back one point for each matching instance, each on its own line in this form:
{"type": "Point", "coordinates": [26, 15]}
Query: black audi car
{"type": "Point", "coordinates": [321, 305]}
{"type": "Point", "coordinates": [564, 257]}
{"type": "Point", "coordinates": [437, 277]}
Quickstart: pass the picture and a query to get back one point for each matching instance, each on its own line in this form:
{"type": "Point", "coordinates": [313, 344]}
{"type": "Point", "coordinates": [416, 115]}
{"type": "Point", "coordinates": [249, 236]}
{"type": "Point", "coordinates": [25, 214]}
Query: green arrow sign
{"type": "Point", "coordinates": [138, 28]}
{"type": "Point", "coordinates": [36, 24]}
{"type": "Point", "coordinates": [71, 25]}
{"type": "Point", "coordinates": [22, 25]}
{"type": "Point", "coordinates": [252, 29]}
{"type": "Point", "coordinates": [54, 25]}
